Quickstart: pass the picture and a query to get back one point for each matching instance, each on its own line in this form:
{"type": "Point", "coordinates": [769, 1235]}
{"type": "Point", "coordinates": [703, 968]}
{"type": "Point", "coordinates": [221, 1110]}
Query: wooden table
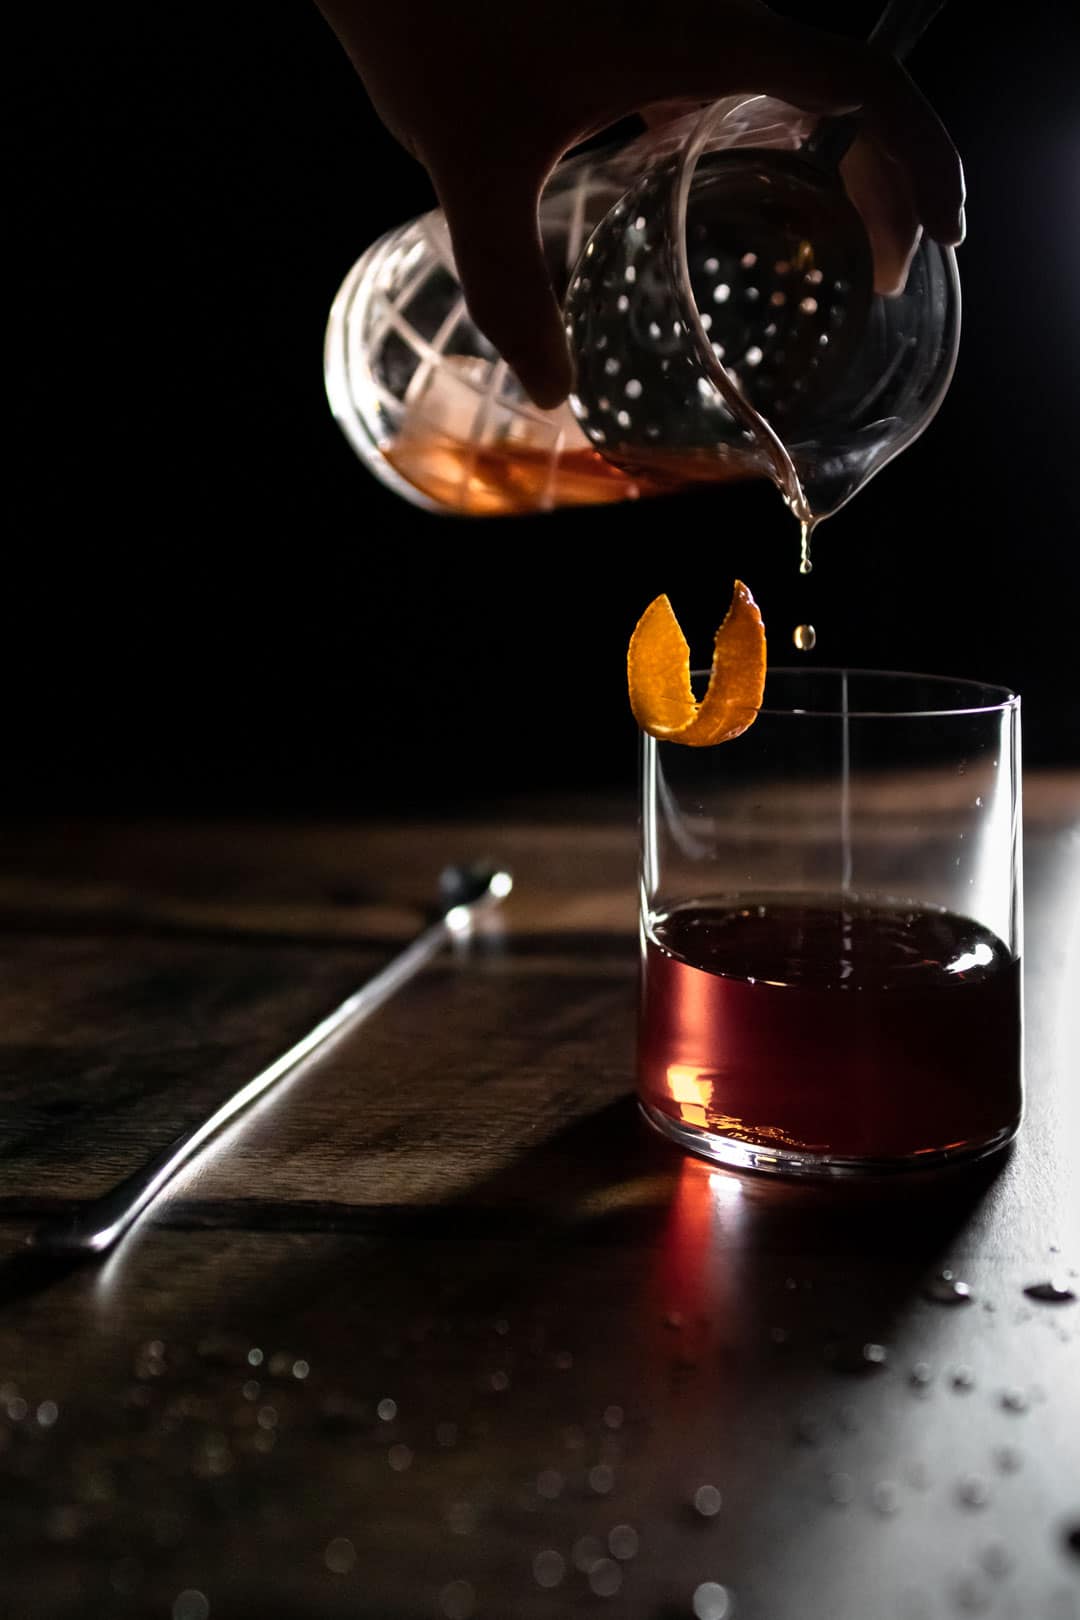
{"type": "Point", "coordinates": [443, 1330]}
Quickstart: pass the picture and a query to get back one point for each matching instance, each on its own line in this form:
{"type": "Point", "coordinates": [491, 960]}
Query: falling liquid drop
{"type": "Point", "coordinates": [806, 529]}
{"type": "Point", "coordinates": [805, 637]}
{"type": "Point", "coordinates": [947, 1289]}
{"type": "Point", "coordinates": [1052, 1292]}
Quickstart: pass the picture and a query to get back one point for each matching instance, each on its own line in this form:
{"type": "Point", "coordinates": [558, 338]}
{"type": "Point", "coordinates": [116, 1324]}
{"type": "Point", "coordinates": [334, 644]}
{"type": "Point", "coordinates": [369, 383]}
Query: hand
{"type": "Point", "coordinates": [489, 99]}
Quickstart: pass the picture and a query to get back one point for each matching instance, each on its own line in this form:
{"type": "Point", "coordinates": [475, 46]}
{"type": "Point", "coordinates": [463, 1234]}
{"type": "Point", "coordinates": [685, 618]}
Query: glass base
{"type": "Point", "coordinates": [735, 1155]}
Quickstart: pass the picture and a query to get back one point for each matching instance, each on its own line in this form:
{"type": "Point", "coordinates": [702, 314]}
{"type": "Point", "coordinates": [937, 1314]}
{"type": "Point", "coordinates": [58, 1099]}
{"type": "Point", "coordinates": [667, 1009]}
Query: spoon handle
{"type": "Point", "coordinates": [97, 1226]}
{"type": "Point", "coordinates": [902, 24]}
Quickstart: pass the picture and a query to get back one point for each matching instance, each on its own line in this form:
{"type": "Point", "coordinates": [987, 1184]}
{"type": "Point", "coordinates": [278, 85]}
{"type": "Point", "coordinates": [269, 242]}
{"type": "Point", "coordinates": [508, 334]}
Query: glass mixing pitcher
{"type": "Point", "coordinates": [655, 249]}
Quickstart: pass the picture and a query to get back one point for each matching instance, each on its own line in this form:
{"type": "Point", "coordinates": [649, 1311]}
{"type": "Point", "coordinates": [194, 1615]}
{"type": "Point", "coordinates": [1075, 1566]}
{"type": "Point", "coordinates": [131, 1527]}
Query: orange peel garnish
{"type": "Point", "coordinates": [658, 674]}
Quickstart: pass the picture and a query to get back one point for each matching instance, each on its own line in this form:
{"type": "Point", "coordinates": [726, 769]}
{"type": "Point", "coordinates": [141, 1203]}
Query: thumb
{"type": "Point", "coordinates": [494, 228]}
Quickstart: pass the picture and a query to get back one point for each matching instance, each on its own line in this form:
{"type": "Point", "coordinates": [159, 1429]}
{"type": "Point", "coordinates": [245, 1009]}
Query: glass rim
{"type": "Point", "coordinates": [1007, 701]}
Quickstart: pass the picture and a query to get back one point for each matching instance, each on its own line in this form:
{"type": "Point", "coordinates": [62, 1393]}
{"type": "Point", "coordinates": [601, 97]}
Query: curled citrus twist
{"type": "Point", "coordinates": [658, 673]}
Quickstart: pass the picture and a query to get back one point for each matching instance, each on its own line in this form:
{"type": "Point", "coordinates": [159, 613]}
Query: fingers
{"type": "Point", "coordinates": [495, 233]}
{"type": "Point", "coordinates": [900, 118]}
{"type": "Point", "coordinates": [884, 203]}
{"type": "Point", "coordinates": [826, 74]}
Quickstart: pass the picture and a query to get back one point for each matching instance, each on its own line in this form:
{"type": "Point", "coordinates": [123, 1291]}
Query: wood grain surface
{"type": "Point", "coordinates": [442, 1330]}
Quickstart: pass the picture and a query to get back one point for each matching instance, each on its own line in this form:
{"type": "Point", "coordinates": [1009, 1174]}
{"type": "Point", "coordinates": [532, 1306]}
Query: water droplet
{"type": "Point", "coordinates": [885, 1497]}
{"type": "Point", "coordinates": [708, 1501]}
{"type": "Point", "coordinates": [947, 1289]}
{"type": "Point", "coordinates": [266, 1417]}
{"type": "Point", "coordinates": [973, 1491]}
{"type": "Point", "coordinates": [633, 389]}
{"type": "Point", "coordinates": [499, 1381]}
{"type": "Point", "coordinates": [386, 1410]}
{"type": "Point", "coordinates": [857, 1358]}
{"type": "Point", "coordinates": [1014, 1400]}
{"type": "Point", "coordinates": [190, 1605]}
{"type": "Point", "coordinates": [921, 1377]}
{"type": "Point", "coordinates": [549, 1484]}
{"type": "Point", "coordinates": [255, 1357]}
{"type": "Point", "coordinates": [461, 1518]}
{"type": "Point", "coordinates": [623, 1542]}
{"type": "Point", "coordinates": [549, 1568]}
{"type": "Point", "coordinates": [840, 1488]}
{"type": "Point", "coordinates": [996, 1559]}
{"type": "Point", "coordinates": [47, 1414]}
{"type": "Point", "coordinates": [971, 1595]}
{"type": "Point", "coordinates": [805, 637]}
{"type": "Point", "coordinates": [622, 303]}
{"type": "Point", "coordinates": [712, 1601]}
{"type": "Point", "coordinates": [340, 1555]}
{"type": "Point", "coordinates": [721, 293]}
{"type": "Point", "coordinates": [601, 1479]}
{"type": "Point", "coordinates": [605, 1577]}
{"type": "Point", "coordinates": [962, 1379]}
{"type": "Point", "coordinates": [301, 1369]}
{"type": "Point", "coordinates": [457, 1600]}
{"type": "Point", "coordinates": [400, 1458]}
{"type": "Point", "coordinates": [808, 1431]}
{"type": "Point", "coordinates": [586, 1553]}
{"type": "Point", "coordinates": [1008, 1460]}
{"type": "Point", "coordinates": [1055, 1291]}
{"type": "Point", "coordinates": [613, 1417]}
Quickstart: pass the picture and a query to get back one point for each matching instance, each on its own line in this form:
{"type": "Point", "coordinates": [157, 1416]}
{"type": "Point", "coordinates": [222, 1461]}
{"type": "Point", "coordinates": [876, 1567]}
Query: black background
{"type": "Point", "coordinates": [209, 604]}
